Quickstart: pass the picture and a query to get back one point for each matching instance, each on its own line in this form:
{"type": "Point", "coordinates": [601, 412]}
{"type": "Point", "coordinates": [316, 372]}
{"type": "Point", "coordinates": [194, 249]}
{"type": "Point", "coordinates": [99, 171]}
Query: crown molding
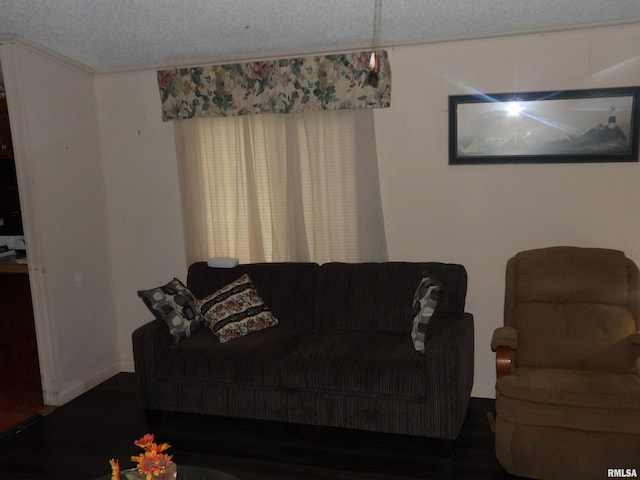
{"type": "Point", "coordinates": [249, 57]}
{"type": "Point", "coordinates": [13, 39]}
{"type": "Point", "coordinates": [186, 62]}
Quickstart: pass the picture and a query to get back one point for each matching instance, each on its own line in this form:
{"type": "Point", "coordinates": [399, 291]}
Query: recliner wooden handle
{"type": "Point", "coordinates": [504, 360]}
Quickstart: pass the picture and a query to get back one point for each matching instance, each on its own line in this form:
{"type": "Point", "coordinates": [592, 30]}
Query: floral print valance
{"type": "Point", "coordinates": [328, 82]}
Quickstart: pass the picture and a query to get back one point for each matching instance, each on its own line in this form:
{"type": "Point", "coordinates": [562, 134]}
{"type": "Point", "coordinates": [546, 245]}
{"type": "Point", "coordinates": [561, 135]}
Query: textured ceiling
{"type": "Point", "coordinates": [110, 35]}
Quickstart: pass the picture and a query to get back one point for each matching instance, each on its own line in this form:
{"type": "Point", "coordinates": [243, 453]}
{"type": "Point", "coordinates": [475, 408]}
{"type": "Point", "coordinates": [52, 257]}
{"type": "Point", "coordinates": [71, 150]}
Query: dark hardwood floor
{"type": "Point", "coordinates": [18, 405]}
{"type": "Point", "coordinates": [77, 440]}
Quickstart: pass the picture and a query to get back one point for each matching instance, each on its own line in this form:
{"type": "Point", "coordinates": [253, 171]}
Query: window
{"type": "Point", "coordinates": [282, 187]}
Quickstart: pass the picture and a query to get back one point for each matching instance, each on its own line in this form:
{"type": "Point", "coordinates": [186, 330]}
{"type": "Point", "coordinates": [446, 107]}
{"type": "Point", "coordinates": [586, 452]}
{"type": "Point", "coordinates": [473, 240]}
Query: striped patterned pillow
{"type": "Point", "coordinates": [236, 310]}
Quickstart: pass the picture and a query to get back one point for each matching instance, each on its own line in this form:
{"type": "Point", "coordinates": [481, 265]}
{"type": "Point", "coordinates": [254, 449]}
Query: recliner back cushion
{"type": "Point", "coordinates": [571, 274]}
{"type": "Point", "coordinates": [578, 336]}
{"type": "Point", "coordinates": [571, 309]}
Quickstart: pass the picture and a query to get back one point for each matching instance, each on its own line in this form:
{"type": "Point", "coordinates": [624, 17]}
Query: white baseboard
{"type": "Point", "coordinates": [483, 391]}
{"type": "Point", "coordinates": [127, 366]}
{"type": "Point", "coordinates": [78, 388]}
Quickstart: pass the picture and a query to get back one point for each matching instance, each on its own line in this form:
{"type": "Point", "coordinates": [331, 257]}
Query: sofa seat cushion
{"type": "Point", "coordinates": [356, 362]}
{"type": "Point", "coordinates": [589, 400]}
{"type": "Point", "coordinates": [251, 360]}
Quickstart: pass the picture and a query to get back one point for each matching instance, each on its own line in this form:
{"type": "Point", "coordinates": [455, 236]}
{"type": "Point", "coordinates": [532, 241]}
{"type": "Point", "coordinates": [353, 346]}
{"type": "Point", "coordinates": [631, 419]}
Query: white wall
{"type": "Point", "coordinates": [141, 178]}
{"type": "Point", "coordinates": [475, 215]}
{"type": "Point", "coordinates": [54, 125]}
{"type": "Point", "coordinates": [482, 215]}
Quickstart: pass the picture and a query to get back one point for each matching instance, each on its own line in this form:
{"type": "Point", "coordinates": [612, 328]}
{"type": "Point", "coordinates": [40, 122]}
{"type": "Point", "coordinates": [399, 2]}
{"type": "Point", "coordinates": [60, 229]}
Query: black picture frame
{"type": "Point", "coordinates": [571, 126]}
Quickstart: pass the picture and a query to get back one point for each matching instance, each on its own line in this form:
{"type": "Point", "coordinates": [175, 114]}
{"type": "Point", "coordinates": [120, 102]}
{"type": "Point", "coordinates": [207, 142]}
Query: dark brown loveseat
{"type": "Point", "coordinates": [341, 355]}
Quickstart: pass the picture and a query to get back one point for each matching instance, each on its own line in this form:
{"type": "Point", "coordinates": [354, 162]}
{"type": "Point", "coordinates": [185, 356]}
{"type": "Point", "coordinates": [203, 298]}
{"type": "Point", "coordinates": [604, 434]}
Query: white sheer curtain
{"type": "Point", "coordinates": [281, 187]}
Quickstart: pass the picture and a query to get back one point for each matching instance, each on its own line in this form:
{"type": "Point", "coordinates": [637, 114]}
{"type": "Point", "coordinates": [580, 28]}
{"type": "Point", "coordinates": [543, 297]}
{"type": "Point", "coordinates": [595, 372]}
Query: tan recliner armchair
{"type": "Point", "coordinates": [568, 362]}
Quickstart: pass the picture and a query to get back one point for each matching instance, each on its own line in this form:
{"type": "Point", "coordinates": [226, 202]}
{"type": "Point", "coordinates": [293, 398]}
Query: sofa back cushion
{"type": "Point", "coordinates": [379, 296]}
{"type": "Point", "coordinates": [288, 289]}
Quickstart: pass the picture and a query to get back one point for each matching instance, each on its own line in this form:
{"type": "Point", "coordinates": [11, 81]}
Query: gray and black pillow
{"type": "Point", "coordinates": [425, 302]}
{"type": "Point", "coordinates": [176, 306]}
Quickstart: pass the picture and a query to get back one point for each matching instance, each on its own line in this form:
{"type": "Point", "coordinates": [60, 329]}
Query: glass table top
{"type": "Point", "coordinates": [188, 472]}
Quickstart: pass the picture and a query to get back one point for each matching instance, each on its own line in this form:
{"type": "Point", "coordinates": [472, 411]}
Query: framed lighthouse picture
{"type": "Point", "coordinates": [598, 125]}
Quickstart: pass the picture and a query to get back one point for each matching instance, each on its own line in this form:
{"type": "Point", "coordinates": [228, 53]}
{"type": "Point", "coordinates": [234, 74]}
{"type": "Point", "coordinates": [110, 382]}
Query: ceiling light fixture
{"type": "Point", "coordinates": [374, 60]}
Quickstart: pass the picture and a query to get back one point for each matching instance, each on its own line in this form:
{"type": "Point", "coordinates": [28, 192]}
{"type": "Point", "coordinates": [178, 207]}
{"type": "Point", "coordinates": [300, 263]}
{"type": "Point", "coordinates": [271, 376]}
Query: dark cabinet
{"type": "Point", "coordinates": [6, 145]}
{"type": "Point", "coordinates": [10, 214]}
{"type": "Point", "coordinates": [19, 364]}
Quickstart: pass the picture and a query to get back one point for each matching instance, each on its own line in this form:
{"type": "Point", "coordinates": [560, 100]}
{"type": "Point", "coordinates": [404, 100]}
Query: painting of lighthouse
{"type": "Point", "coordinates": [571, 126]}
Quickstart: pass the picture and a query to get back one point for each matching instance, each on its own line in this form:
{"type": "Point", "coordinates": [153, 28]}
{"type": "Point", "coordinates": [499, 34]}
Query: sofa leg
{"type": "Point", "coordinates": [446, 448]}
{"type": "Point", "coordinates": [491, 418]}
{"type": "Point", "coordinates": [153, 417]}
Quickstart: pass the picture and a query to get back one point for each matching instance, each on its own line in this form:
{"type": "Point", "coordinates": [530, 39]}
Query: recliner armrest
{"type": "Point", "coordinates": [504, 337]}
{"type": "Point", "coordinates": [504, 341]}
{"type": "Point", "coordinates": [504, 362]}
{"type": "Point", "coordinates": [635, 338]}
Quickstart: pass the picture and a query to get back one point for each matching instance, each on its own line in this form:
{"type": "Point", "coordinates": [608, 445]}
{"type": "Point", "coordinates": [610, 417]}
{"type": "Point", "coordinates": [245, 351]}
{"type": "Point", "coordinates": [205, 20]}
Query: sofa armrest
{"type": "Point", "coordinates": [449, 364]}
{"type": "Point", "coordinates": [149, 340]}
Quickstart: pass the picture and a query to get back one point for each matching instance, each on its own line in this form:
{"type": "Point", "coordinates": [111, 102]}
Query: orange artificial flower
{"type": "Point", "coordinates": [151, 463]}
{"type": "Point", "coordinates": [115, 469]}
{"type": "Point", "coordinates": [147, 442]}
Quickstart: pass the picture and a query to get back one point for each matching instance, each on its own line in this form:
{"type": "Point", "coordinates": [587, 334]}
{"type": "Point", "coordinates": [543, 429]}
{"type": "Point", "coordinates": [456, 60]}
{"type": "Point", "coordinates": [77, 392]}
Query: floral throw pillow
{"type": "Point", "coordinates": [236, 310]}
{"type": "Point", "coordinates": [425, 301]}
{"type": "Point", "coordinates": [175, 304]}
